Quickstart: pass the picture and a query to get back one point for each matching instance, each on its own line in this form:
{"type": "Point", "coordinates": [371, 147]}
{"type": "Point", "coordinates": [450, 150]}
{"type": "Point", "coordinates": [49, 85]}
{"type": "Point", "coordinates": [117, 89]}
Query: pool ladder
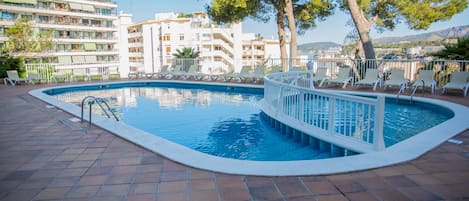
{"type": "Point", "coordinates": [100, 101]}
{"type": "Point", "coordinates": [413, 90]}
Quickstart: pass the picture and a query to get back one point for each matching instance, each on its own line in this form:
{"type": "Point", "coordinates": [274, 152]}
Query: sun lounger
{"type": "Point", "coordinates": [192, 72]}
{"type": "Point", "coordinates": [458, 80]}
{"type": "Point", "coordinates": [176, 72]}
{"type": "Point", "coordinates": [371, 79]}
{"type": "Point", "coordinates": [164, 71]}
{"type": "Point", "coordinates": [276, 69]}
{"type": "Point", "coordinates": [229, 76]}
{"type": "Point", "coordinates": [34, 77]}
{"type": "Point", "coordinates": [13, 78]}
{"type": "Point", "coordinates": [425, 79]}
{"type": "Point", "coordinates": [320, 76]}
{"type": "Point", "coordinates": [343, 77]}
{"type": "Point", "coordinates": [258, 74]}
{"type": "Point", "coordinates": [397, 79]}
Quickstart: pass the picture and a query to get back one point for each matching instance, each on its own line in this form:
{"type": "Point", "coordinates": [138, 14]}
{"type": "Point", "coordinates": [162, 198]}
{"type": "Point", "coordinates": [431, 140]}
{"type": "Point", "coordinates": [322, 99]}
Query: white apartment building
{"type": "Point", "coordinates": [85, 32]}
{"type": "Point", "coordinates": [222, 48]}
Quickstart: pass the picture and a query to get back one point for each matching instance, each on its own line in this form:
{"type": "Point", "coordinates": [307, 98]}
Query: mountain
{"type": "Point", "coordinates": [454, 32]}
{"type": "Point", "coordinates": [317, 47]}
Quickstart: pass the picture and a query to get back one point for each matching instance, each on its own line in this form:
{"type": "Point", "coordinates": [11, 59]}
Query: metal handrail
{"type": "Point", "coordinates": [415, 90]}
{"type": "Point", "coordinates": [98, 101]}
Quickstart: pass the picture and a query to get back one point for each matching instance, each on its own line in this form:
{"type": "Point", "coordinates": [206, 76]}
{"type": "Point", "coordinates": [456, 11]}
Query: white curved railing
{"type": "Point", "coordinates": [350, 122]}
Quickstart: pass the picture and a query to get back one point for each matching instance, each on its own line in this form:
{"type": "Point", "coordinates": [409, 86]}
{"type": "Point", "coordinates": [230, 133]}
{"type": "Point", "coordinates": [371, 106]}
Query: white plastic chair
{"type": "Point", "coordinates": [425, 79]}
{"type": "Point", "coordinates": [13, 78]}
{"type": "Point", "coordinates": [397, 79]}
{"type": "Point", "coordinates": [371, 78]}
{"type": "Point", "coordinates": [192, 72]}
{"type": "Point", "coordinates": [320, 76]}
{"type": "Point", "coordinates": [258, 74]}
{"type": "Point", "coordinates": [343, 77]}
{"type": "Point", "coordinates": [458, 80]}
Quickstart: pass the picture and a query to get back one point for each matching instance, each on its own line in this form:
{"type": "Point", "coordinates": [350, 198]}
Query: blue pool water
{"type": "Point", "coordinates": [227, 121]}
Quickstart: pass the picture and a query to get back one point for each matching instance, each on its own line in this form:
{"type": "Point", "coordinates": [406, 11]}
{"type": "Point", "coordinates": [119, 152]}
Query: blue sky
{"type": "Point", "coordinates": [333, 29]}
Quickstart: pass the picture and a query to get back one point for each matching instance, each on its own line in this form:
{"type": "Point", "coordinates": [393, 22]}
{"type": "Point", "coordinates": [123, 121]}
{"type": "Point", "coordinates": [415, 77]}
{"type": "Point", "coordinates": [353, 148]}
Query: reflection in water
{"type": "Point", "coordinates": [235, 138]}
{"type": "Point", "coordinates": [224, 124]}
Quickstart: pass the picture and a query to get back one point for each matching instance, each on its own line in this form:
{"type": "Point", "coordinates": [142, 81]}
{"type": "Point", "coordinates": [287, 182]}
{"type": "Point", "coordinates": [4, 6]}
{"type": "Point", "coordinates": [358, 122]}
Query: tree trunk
{"type": "Point", "coordinates": [292, 27]}
{"type": "Point", "coordinates": [363, 27]}
{"type": "Point", "coordinates": [281, 38]}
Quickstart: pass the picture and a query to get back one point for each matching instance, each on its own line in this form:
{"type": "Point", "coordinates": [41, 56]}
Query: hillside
{"type": "Point", "coordinates": [454, 32]}
{"type": "Point", "coordinates": [314, 48]}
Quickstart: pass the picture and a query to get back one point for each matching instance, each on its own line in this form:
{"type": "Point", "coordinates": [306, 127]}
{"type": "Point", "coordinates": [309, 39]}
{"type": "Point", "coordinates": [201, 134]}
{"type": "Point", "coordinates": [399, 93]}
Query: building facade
{"type": "Point", "coordinates": [85, 32]}
{"type": "Point", "coordinates": [222, 48]}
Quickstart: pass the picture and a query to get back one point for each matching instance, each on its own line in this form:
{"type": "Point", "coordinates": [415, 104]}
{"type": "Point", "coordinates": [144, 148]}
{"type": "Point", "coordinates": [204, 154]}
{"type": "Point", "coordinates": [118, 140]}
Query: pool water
{"type": "Point", "coordinates": [227, 122]}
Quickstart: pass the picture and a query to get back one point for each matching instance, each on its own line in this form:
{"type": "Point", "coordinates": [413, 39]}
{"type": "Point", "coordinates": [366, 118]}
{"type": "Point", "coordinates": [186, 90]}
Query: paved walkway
{"type": "Point", "coordinates": [45, 156]}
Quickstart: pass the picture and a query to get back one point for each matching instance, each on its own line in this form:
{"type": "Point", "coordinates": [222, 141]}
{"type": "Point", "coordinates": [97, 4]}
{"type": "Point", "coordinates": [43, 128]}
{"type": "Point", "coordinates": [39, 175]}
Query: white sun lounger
{"type": "Point", "coordinates": [177, 71]}
{"type": "Point", "coordinates": [425, 79]}
{"type": "Point", "coordinates": [192, 72]}
{"type": "Point", "coordinates": [229, 76]}
{"type": "Point", "coordinates": [397, 79]}
{"type": "Point", "coordinates": [320, 76]}
{"type": "Point", "coordinates": [458, 80]}
{"type": "Point", "coordinates": [258, 74]}
{"type": "Point", "coordinates": [13, 78]}
{"type": "Point", "coordinates": [371, 79]}
{"type": "Point", "coordinates": [163, 72]}
{"type": "Point", "coordinates": [343, 77]}
{"type": "Point", "coordinates": [33, 77]}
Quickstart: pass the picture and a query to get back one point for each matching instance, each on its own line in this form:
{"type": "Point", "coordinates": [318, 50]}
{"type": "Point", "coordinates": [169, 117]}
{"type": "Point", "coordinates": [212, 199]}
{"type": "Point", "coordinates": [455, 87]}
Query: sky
{"type": "Point", "coordinates": [332, 29]}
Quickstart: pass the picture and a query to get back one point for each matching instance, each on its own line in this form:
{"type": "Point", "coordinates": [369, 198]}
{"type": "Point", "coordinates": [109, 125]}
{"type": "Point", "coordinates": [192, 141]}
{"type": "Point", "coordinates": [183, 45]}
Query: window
{"type": "Point", "coordinates": [29, 17]}
{"type": "Point", "coordinates": [75, 47]}
{"type": "Point", "coordinates": [168, 50]}
{"type": "Point", "coordinates": [167, 37]}
{"type": "Point", "coordinates": [181, 36]}
{"type": "Point", "coordinates": [43, 19]}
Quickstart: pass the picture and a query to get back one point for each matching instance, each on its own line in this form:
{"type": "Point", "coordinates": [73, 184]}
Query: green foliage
{"type": "Point", "coordinates": [186, 53]}
{"type": "Point", "coordinates": [308, 13]}
{"type": "Point", "coordinates": [22, 38]}
{"type": "Point", "coordinates": [229, 11]}
{"type": "Point", "coordinates": [10, 63]}
{"type": "Point", "coordinates": [458, 51]}
{"type": "Point", "coordinates": [418, 14]}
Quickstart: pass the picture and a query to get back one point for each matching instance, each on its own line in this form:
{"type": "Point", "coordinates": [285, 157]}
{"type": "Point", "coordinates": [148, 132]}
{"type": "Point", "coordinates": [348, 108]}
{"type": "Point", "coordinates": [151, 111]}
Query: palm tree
{"type": "Point", "coordinates": [186, 53]}
{"type": "Point", "coordinates": [187, 57]}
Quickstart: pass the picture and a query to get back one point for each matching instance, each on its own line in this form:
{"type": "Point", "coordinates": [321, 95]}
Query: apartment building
{"type": "Point", "coordinates": [222, 48]}
{"type": "Point", "coordinates": [85, 32]}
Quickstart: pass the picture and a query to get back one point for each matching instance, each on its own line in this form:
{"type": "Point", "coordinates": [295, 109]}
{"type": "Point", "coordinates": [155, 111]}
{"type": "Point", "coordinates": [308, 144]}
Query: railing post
{"type": "Point", "coordinates": [301, 113]}
{"type": "Point", "coordinates": [311, 79]}
{"type": "Point", "coordinates": [330, 126]}
{"type": "Point", "coordinates": [378, 139]}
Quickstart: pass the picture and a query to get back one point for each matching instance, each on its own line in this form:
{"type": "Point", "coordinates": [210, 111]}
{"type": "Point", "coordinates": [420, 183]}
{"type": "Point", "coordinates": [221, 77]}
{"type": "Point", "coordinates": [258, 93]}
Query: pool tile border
{"type": "Point", "coordinates": [401, 152]}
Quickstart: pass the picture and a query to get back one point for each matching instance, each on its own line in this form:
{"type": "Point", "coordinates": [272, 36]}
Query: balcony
{"type": "Point", "coordinates": [135, 35]}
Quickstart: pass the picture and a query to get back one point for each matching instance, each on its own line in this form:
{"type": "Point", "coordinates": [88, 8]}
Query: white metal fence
{"type": "Point", "coordinates": [351, 122]}
{"type": "Point", "coordinates": [441, 68]}
{"type": "Point", "coordinates": [72, 72]}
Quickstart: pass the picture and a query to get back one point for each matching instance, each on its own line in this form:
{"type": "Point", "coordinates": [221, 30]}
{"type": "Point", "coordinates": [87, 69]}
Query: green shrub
{"type": "Point", "coordinates": [11, 63]}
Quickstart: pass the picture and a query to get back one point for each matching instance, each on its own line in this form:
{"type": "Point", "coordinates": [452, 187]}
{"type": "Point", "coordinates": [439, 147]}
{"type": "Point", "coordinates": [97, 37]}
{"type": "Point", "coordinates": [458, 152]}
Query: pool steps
{"type": "Point", "coordinates": [305, 139]}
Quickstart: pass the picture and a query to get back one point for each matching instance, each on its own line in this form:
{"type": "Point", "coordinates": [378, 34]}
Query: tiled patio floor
{"type": "Point", "coordinates": [44, 156]}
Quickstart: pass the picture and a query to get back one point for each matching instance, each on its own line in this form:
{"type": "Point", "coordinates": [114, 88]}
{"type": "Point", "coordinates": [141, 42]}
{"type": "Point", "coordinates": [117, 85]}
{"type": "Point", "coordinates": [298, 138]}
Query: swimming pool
{"type": "Point", "coordinates": [217, 164]}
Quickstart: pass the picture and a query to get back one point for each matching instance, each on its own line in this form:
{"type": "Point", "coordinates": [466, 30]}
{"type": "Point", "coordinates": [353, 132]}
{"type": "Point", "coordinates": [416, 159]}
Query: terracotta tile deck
{"type": "Point", "coordinates": [44, 156]}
